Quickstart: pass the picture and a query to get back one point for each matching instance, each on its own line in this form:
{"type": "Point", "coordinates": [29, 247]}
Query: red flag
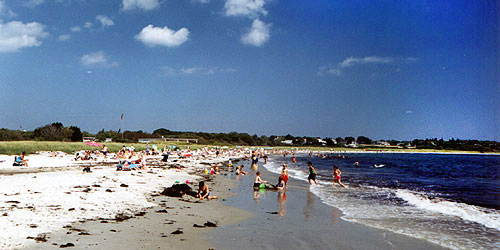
{"type": "Point", "coordinates": [122, 117]}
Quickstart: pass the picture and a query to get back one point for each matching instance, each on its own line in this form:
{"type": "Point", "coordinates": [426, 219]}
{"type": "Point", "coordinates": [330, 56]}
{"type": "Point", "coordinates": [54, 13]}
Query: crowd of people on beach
{"type": "Point", "coordinates": [129, 159]}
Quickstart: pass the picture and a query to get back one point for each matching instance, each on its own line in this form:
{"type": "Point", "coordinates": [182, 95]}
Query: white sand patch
{"type": "Point", "coordinates": [48, 201]}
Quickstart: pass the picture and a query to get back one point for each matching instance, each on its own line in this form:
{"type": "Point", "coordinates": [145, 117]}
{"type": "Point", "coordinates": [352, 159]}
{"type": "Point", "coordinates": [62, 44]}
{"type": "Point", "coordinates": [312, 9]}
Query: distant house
{"type": "Point", "coordinates": [88, 139]}
{"type": "Point", "coordinates": [108, 140]}
{"type": "Point", "coordinates": [322, 142]}
{"type": "Point", "coordinates": [147, 140]}
{"type": "Point", "coordinates": [287, 142]}
{"type": "Point", "coordinates": [382, 143]}
{"type": "Point", "coordinates": [352, 145]}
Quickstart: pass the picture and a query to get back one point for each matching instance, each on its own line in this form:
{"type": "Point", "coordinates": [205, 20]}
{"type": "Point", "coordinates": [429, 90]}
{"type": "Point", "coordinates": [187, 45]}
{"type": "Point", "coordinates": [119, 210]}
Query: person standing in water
{"type": "Point", "coordinates": [284, 174]}
{"type": "Point", "coordinates": [336, 176]}
{"type": "Point", "coordinates": [312, 174]}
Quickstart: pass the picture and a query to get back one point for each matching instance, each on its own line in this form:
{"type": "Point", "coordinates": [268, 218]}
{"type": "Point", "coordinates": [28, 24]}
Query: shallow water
{"type": "Point", "coordinates": [450, 200]}
{"type": "Point", "coordinates": [298, 219]}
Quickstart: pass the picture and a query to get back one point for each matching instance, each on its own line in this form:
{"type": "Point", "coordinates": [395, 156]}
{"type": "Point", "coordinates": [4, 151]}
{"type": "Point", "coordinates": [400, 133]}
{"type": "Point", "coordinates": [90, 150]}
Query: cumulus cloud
{"type": "Point", "coordinates": [258, 33]}
{"type": "Point", "coordinates": [75, 29]}
{"type": "Point", "coordinates": [249, 8]}
{"type": "Point", "coordinates": [169, 71]}
{"type": "Point", "coordinates": [64, 37]}
{"type": "Point", "coordinates": [16, 35]}
{"type": "Point", "coordinates": [128, 5]}
{"type": "Point", "coordinates": [97, 59]}
{"type": "Point", "coordinates": [153, 36]}
{"type": "Point", "coordinates": [105, 21]}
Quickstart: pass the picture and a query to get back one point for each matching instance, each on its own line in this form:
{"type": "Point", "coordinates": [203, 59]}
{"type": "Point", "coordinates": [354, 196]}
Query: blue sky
{"type": "Point", "coordinates": [382, 69]}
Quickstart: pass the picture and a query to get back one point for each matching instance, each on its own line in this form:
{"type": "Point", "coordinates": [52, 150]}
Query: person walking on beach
{"type": "Point", "coordinates": [284, 174]}
{"type": "Point", "coordinates": [312, 174]}
{"type": "Point", "coordinates": [204, 192]}
{"type": "Point", "coordinates": [336, 176]}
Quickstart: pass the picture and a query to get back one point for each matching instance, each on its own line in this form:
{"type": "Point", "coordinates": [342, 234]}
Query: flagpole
{"type": "Point", "coordinates": [122, 126]}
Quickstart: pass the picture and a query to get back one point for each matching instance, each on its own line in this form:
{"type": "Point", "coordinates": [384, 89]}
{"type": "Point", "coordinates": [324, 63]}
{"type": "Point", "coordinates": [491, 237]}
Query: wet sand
{"type": "Point", "coordinates": [297, 219]}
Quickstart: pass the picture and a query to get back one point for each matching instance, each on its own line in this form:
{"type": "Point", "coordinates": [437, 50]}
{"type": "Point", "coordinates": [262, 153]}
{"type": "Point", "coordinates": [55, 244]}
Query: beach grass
{"type": "Point", "coordinates": [31, 147]}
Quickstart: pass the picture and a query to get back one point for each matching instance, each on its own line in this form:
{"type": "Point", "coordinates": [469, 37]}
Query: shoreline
{"type": "Point", "coordinates": [297, 219]}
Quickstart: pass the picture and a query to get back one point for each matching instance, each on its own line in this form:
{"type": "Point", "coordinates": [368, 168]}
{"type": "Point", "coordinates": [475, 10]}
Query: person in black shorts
{"type": "Point", "coordinates": [312, 174]}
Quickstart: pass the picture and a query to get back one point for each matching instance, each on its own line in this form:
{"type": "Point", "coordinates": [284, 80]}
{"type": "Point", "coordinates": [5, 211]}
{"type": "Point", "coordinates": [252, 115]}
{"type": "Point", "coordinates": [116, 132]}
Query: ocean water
{"type": "Point", "coordinates": [450, 200]}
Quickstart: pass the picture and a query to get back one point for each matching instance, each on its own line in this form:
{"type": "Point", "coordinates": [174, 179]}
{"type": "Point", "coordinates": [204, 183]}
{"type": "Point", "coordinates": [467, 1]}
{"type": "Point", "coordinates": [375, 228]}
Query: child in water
{"type": "Point", "coordinates": [312, 174]}
{"type": "Point", "coordinates": [336, 176]}
{"type": "Point", "coordinates": [204, 192]}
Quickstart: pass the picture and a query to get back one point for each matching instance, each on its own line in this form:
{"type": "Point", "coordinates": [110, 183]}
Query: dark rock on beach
{"type": "Point", "coordinates": [38, 238]}
{"type": "Point", "coordinates": [123, 185]}
{"type": "Point", "coordinates": [177, 232]}
{"type": "Point", "coordinates": [122, 217]}
{"type": "Point", "coordinates": [69, 244]}
{"type": "Point", "coordinates": [210, 224]}
{"type": "Point", "coordinates": [178, 190]}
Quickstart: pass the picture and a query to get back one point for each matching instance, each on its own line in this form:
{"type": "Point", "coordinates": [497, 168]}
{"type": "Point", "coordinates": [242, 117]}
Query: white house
{"type": "Point", "coordinates": [287, 142]}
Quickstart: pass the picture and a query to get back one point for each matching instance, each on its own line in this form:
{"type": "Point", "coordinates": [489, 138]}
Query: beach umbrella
{"type": "Point", "coordinates": [93, 144]}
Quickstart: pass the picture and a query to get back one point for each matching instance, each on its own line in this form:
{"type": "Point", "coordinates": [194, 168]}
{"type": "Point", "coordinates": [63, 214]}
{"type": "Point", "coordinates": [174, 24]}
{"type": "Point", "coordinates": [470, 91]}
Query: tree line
{"type": "Point", "coordinates": [58, 132]}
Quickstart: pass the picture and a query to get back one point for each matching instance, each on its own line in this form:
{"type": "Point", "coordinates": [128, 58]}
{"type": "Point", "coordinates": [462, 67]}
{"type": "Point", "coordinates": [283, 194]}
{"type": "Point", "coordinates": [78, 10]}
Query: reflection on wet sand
{"type": "Point", "coordinates": [335, 215]}
{"type": "Point", "coordinates": [282, 202]}
{"type": "Point", "coordinates": [308, 209]}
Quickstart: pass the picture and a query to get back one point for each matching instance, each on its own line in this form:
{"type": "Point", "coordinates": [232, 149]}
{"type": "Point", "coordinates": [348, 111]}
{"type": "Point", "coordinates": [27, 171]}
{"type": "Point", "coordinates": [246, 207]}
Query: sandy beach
{"type": "Point", "coordinates": [52, 203]}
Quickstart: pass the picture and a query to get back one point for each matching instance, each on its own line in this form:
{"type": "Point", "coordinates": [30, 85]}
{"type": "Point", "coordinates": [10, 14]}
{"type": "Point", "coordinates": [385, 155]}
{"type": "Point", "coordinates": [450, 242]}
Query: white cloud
{"type": "Point", "coordinates": [33, 3]}
{"type": "Point", "coordinates": [350, 61]}
{"type": "Point", "coordinates": [139, 4]}
{"type": "Point", "coordinates": [88, 25]}
{"type": "Point", "coordinates": [75, 29]}
{"type": "Point", "coordinates": [64, 37]}
{"type": "Point", "coordinates": [169, 71]}
{"type": "Point", "coordinates": [3, 8]}
{"type": "Point", "coordinates": [4, 11]}
{"type": "Point", "coordinates": [105, 21]}
{"type": "Point", "coordinates": [249, 8]}
{"type": "Point", "coordinates": [324, 70]}
{"type": "Point", "coordinates": [16, 35]}
{"type": "Point", "coordinates": [153, 36]}
{"type": "Point", "coordinates": [97, 59]}
{"type": "Point", "coordinates": [258, 33]}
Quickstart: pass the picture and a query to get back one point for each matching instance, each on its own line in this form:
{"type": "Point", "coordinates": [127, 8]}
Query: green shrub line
{"type": "Point", "coordinates": [31, 147]}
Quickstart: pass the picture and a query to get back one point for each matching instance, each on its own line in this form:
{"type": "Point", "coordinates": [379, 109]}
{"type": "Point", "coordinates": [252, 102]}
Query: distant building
{"type": "Point", "coordinates": [352, 145]}
{"type": "Point", "coordinates": [382, 143]}
{"type": "Point", "coordinates": [88, 139]}
{"type": "Point", "coordinates": [322, 142]}
{"type": "Point", "coordinates": [108, 140]}
{"type": "Point", "coordinates": [287, 142]}
{"type": "Point", "coordinates": [147, 140]}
